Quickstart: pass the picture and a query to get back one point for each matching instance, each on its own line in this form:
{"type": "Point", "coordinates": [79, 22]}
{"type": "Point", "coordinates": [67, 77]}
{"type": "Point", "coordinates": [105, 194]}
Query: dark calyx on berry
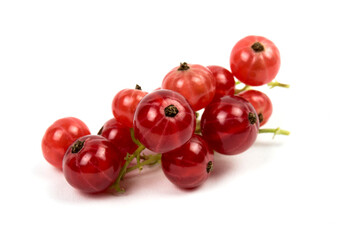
{"type": "Point", "coordinates": [261, 117]}
{"type": "Point", "coordinates": [78, 145]}
{"type": "Point", "coordinates": [100, 131]}
{"type": "Point", "coordinates": [258, 47]}
{"type": "Point", "coordinates": [209, 167]}
{"type": "Point", "coordinates": [171, 111]}
{"type": "Point", "coordinates": [183, 66]}
{"type": "Point", "coordinates": [252, 118]}
{"type": "Point", "coordinates": [137, 87]}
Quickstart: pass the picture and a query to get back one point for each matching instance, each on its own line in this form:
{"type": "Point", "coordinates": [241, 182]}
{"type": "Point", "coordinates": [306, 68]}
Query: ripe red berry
{"type": "Point", "coordinates": [255, 60]}
{"type": "Point", "coordinates": [230, 125]}
{"type": "Point", "coordinates": [59, 136]}
{"type": "Point", "coordinates": [124, 105]}
{"type": "Point", "coordinates": [188, 166]}
{"type": "Point", "coordinates": [195, 82]}
{"type": "Point", "coordinates": [164, 121]}
{"type": "Point", "coordinates": [92, 164]}
{"type": "Point", "coordinates": [119, 135]}
{"type": "Point", "coordinates": [225, 83]}
{"type": "Point", "coordinates": [261, 102]}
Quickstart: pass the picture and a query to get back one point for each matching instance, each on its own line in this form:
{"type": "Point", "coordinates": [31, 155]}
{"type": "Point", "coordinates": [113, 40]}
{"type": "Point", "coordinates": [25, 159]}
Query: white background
{"type": "Point", "coordinates": [69, 58]}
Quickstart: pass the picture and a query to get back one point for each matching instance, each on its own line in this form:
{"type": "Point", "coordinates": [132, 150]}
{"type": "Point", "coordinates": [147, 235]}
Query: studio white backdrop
{"type": "Point", "coordinates": [70, 58]}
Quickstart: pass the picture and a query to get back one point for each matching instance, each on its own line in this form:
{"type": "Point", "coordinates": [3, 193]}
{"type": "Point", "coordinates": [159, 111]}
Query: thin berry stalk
{"type": "Point", "coordinates": [275, 131]}
{"type": "Point", "coordinates": [115, 187]}
{"type": "Point", "coordinates": [128, 159]}
{"type": "Point", "coordinates": [137, 142]}
{"type": "Point", "coordinates": [277, 84]}
{"type": "Point", "coordinates": [151, 160]}
{"type": "Point", "coordinates": [246, 87]}
{"type": "Point", "coordinates": [198, 126]}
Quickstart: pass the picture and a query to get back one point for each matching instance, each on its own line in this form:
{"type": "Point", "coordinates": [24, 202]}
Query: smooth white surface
{"type": "Point", "coordinates": [69, 58]}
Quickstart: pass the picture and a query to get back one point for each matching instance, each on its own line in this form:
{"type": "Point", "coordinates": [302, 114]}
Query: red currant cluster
{"type": "Point", "coordinates": [165, 122]}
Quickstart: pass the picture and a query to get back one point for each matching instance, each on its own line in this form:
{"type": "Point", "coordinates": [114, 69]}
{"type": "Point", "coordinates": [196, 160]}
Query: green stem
{"type": "Point", "coordinates": [151, 160]}
{"type": "Point", "coordinates": [115, 187]}
{"type": "Point", "coordinates": [137, 162]}
{"type": "Point", "coordinates": [128, 160]}
{"type": "Point", "coordinates": [247, 87]}
{"type": "Point", "coordinates": [277, 84]}
{"type": "Point", "coordinates": [137, 142]}
{"type": "Point", "coordinates": [198, 127]}
{"type": "Point", "coordinates": [275, 131]}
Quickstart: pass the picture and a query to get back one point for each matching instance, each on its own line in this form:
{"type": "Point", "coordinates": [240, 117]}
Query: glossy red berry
{"type": "Point", "coordinates": [188, 166]}
{"type": "Point", "coordinates": [124, 105]}
{"type": "Point", "coordinates": [230, 125]}
{"type": "Point", "coordinates": [225, 82]}
{"type": "Point", "coordinates": [164, 121]}
{"type": "Point", "coordinates": [59, 136]}
{"type": "Point", "coordinates": [119, 135]}
{"type": "Point", "coordinates": [92, 164]}
{"type": "Point", "coordinates": [255, 60]}
{"type": "Point", "coordinates": [261, 102]}
{"type": "Point", "coordinates": [195, 82]}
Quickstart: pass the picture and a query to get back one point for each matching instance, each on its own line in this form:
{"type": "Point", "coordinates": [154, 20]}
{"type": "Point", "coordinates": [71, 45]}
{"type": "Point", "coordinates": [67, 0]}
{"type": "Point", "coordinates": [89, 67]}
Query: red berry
{"type": "Point", "coordinates": [195, 82]}
{"type": "Point", "coordinates": [92, 164]}
{"type": "Point", "coordinates": [225, 83]}
{"type": "Point", "coordinates": [255, 60]}
{"type": "Point", "coordinates": [59, 136]}
{"type": "Point", "coordinates": [119, 135]}
{"type": "Point", "coordinates": [164, 121]}
{"type": "Point", "coordinates": [230, 125]}
{"type": "Point", "coordinates": [261, 102]}
{"type": "Point", "coordinates": [124, 105]}
{"type": "Point", "coordinates": [188, 166]}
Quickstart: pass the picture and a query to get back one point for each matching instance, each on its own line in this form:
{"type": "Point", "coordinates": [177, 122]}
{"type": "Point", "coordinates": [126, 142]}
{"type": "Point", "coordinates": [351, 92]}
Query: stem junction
{"type": "Point", "coordinates": [147, 160]}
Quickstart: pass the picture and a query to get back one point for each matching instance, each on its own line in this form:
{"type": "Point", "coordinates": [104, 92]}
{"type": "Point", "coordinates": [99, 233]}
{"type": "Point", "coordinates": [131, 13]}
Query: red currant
{"type": "Point", "coordinates": [119, 135]}
{"type": "Point", "coordinates": [59, 136]}
{"type": "Point", "coordinates": [261, 102]}
{"type": "Point", "coordinates": [225, 83]}
{"type": "Point", "coordinates": [164, 121]}
{"type": "Point", "coordinates": [255, 60]}
{"type": "Point", "coordinates": [195, 82]}
{"type": "Point", "coordinates": [92, 164]}
{"type": "Point", "coordinates": [124, 105]}
{"type": "Point", "coordinates": [230, 125]}
{"type": "Point", "coordinates": [188, 166]}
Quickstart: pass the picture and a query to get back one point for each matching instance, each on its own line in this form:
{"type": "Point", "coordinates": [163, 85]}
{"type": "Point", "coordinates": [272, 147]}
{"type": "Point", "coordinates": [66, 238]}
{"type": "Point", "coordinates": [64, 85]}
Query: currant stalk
{"type": "Point", "coordinates": [277, 84]}
{"type": "Point", "coordinates": [246, 87]}
{"type": "Point", "coordinates": [276, 131]}
{"type": "Point", "coordinates": [115, 187]}
{"type": "Point", "coordinates": [198, 126]}
{"type": "Point", "coordinates": [150, 160]}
